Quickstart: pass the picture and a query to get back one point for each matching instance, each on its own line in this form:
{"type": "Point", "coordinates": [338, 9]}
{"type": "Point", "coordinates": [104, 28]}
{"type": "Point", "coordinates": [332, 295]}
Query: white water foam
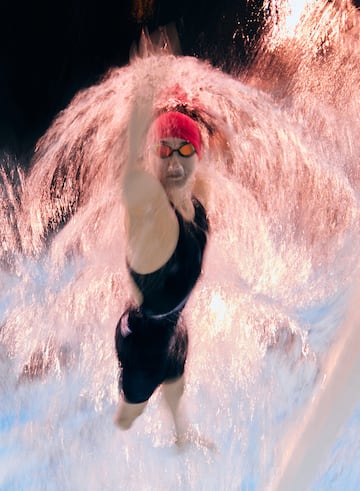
{"type": "Point", "coordinates": [282, 172]}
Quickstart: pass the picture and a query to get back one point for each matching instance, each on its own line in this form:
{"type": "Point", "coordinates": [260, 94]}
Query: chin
{"type": "Point", "coordinates": [176, 184]}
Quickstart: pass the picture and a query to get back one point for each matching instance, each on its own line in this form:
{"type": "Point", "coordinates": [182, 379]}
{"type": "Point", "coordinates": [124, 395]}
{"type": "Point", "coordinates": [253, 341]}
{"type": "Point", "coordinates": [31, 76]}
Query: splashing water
{"type": "Point", "coordinates": [282, 173]}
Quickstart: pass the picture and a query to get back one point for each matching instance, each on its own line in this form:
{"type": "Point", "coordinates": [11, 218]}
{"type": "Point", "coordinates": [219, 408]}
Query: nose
{"type": "Point", "coordinates": [173, 164]}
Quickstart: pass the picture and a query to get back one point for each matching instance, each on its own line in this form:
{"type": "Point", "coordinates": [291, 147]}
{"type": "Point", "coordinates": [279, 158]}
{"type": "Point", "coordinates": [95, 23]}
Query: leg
{"type": "Point", "coordinates": [173, 391]}
{"type": "Point", "coordinates": [137, 381]}
{"type": "Point", "coordinates": [127, 413]}
{"type": "Point", "coordinates": [185, 433]}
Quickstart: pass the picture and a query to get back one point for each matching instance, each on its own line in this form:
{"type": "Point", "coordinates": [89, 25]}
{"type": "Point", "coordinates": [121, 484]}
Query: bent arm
{"type": "Point", "coordinates": [151, 224]}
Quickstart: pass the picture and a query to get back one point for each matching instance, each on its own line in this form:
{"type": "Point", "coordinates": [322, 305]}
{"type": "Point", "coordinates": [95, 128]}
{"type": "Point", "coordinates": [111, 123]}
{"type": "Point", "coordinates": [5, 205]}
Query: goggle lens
{"type": "Point", "coordinates": [164, 151]}
{"type": "Point", "coordinates": [186, 150]}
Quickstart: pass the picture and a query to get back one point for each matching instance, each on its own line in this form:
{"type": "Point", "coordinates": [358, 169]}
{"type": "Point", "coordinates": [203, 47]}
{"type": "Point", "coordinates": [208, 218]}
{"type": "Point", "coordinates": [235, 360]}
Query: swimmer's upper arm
{"type": "Point", "coordinates": [151, 224]}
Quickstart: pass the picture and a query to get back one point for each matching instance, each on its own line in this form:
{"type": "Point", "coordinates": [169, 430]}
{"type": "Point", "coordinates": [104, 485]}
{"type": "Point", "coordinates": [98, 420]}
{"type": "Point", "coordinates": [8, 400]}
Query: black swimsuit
{"type": "Point", "coordinates": [151, 340]}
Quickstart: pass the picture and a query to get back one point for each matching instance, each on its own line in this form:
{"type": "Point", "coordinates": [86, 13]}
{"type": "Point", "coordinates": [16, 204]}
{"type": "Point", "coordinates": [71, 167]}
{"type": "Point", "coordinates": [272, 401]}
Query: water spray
{"type": "Point", "coordinates": [305, 449]}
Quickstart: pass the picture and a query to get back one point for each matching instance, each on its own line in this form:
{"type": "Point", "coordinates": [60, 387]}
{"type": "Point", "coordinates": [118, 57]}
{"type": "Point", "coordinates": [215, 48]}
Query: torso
{"type": "Point", "coordinates": [166, 291]}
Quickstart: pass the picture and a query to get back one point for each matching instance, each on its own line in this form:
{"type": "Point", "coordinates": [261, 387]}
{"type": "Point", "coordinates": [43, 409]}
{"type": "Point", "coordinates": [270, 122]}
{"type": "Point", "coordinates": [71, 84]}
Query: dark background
{"type": "Point", "coordinates": [49, 50]}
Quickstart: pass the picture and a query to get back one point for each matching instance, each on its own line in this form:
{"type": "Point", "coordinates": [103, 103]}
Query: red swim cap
{"type": "Point", "coordinates": [173, 124]}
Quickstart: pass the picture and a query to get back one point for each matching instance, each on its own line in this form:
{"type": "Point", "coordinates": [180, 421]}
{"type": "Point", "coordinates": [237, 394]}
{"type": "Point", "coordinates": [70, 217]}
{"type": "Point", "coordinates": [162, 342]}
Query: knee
{"type": "Point", "coordinates": [127, 413]}
{"type": "Point", "coordinates": [174, 389]}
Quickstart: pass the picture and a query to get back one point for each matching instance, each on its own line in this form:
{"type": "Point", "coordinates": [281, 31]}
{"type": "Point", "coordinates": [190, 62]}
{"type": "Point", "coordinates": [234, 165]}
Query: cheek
{"type": "Point", "coordinates": [189, 167]}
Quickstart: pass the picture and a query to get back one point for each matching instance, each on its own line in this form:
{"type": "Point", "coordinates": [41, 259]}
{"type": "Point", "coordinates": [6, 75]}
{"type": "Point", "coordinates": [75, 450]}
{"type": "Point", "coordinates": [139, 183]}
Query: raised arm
{"type": "Point", "coordinates": [151, 224]}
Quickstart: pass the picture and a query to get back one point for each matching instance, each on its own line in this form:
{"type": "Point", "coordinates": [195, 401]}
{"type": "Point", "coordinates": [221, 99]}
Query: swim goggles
{"type": "Point", "coordinates": [164, 151]}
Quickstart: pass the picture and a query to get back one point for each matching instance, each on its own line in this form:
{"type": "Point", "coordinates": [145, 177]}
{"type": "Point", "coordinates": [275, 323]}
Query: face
{"type": "Point", "coordinates": [176, 170]}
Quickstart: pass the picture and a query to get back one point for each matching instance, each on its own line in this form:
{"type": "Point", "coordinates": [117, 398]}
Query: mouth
{"type": "Point", "coordinates": [175, 176]}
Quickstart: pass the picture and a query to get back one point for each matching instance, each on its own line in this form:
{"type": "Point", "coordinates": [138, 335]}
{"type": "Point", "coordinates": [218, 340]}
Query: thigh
{"type": "Point", "coordinates": [178, 350]}
{"type": "Point", "coordinates": [138, 385]}
{"type": "Point", "coordinates": [142, 364]}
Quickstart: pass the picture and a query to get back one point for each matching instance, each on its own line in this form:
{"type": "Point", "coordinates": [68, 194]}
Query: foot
{"type": "Point", "coordinates": [192, 435]}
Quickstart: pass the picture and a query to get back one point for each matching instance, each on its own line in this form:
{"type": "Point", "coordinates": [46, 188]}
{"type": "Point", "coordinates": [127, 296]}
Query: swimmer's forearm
{"type": "Point", "coordinates": [139, 123]}
{"type": "Point", "coordinates": [140, 189]}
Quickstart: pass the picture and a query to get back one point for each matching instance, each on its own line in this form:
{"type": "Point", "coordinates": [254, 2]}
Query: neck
{"type": "Point", "coordinates": [183, 203]}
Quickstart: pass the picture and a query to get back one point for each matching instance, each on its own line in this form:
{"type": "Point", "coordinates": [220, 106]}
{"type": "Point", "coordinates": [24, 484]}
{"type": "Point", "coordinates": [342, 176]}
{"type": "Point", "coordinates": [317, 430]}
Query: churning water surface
{"type": "Point", "coordinates": [267, 320]}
